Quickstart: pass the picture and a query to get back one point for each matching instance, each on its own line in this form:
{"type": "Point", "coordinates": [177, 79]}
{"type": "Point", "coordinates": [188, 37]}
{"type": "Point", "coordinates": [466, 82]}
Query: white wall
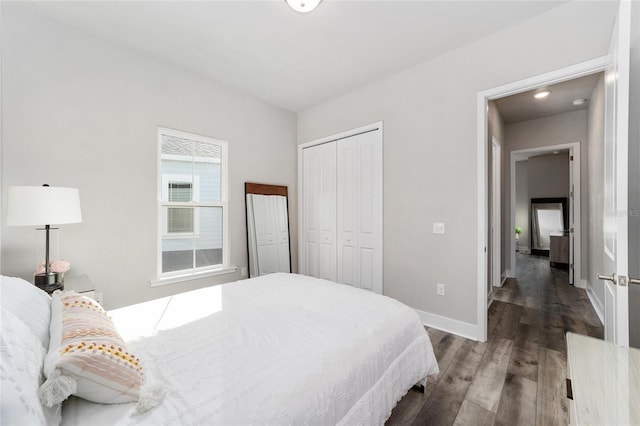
{"type": "Point", "coordinates": [82, 112]}
{"type": "Point", "coordinates": [554, 130]}
{"type": "Point", "coordinates": [430, 158]}
{"type": "Point", "coordinates": [549, 175]}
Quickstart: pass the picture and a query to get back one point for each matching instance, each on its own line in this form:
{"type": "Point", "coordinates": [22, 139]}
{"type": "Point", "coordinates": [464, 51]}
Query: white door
{"type": "Point", "coordinates": [572, 220]}
{"type": "Point", "coordinates": [615, 259]}
{"type": "Point", "coordinates": [360, 211]}
{"type": "Point", "coordinates": [319, 211]}
{"type": "Point", "coordinates": [496, 238]}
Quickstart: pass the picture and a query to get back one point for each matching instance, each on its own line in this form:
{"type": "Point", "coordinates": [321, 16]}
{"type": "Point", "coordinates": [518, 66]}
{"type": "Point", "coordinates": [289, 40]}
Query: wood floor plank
{"type": "Point", "coordinates": [524, 359]}
{"type": "Point", "coordinates": [508, 325]}
{"type": "Point", "coordinates": [518, 402]}
{"type": "Point", "coordinates": [472, 414]}
{"type": "Point", "coordinates": [552, 405]}
{"type": "Point", "coordinates": [487, 384]}
{"type": "Point", "coordinates": [444, 403]}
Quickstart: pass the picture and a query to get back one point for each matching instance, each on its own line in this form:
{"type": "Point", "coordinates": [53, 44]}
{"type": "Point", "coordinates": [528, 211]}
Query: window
{"type": "Point", "coordinates": [192, 207]}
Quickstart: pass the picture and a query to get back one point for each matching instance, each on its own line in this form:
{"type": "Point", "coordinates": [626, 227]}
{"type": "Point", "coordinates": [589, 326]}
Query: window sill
{"type": "Point", "coordinates": [192, 276]}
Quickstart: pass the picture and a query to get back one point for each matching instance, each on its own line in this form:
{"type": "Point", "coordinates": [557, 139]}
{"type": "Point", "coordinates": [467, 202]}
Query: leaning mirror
{"type": "Point", "coordinates": [267, 228]}
{"type": "Point", "coordinates": [549, 217]}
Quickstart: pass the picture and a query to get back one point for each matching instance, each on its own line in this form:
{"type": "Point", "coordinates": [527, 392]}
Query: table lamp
{"type": "Point", "coordinates": [43, 206]}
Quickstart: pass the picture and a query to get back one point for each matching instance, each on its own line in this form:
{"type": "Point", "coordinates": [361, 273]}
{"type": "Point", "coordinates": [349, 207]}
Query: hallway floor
{"type": "Point", "coordinates": [517, 377]}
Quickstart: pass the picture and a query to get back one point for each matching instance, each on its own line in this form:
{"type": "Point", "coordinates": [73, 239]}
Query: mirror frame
{"type": "Point", "coordinates": [265, 189]}
{"type": "Point", "coordinates": [565, 219]}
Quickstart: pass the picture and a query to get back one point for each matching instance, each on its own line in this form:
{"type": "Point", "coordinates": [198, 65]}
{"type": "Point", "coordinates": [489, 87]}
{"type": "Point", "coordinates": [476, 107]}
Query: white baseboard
{"type": "Point", "coordinates": [581, 283]}
{"type": "Point", "coordinates": [460, 328]}
{"type": "Point", "coordinates": [597, 306]}
{"type": "Point", "coordinates": [508, 274]}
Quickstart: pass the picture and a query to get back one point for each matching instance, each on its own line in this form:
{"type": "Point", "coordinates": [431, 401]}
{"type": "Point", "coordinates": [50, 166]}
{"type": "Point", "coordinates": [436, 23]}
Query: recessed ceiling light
{"type": "Point", "coordinates": [542, 94]}
{"type": "Point", "coordinates": [578, 102]}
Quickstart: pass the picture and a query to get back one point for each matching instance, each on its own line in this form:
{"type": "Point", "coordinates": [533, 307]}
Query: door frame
{"type": "Point", "coordinates": [563, 74]}
{"type": "Point", "coordinates": [574, 150]}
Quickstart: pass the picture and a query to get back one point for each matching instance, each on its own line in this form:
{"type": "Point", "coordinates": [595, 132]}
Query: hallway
{"type": "Point", "coordinates": [518, 375]}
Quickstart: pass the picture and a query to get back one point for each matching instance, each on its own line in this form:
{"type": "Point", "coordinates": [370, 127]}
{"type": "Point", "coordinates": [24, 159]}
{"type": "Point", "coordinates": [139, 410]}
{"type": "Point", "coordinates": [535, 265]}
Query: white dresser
{"type": "Point", "coordinates": [605, 380]}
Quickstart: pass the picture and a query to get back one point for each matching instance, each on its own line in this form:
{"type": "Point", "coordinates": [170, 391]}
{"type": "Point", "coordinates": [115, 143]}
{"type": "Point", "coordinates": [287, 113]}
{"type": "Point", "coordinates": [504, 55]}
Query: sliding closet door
{"type": "Point", "coordinates": [360, 211]}
{"type": "Point", "coordinates": [319, 211]}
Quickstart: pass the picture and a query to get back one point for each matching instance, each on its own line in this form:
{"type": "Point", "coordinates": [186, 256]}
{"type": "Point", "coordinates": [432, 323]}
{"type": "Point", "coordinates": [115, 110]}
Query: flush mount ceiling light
{"type": "Point", "coordinates": [578, 102]}
{"type": "Point", "coordinates": [303, 6]}
{"type": "Point", "coordinates": [541, 95]}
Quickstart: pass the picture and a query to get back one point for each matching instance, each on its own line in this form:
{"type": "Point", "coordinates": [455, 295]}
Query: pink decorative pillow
{"type": "Point", "coordinates": [87, 357]}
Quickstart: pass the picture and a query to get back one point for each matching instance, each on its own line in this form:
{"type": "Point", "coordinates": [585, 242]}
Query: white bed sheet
{"type": "Point", "coordinates": [277, 349]}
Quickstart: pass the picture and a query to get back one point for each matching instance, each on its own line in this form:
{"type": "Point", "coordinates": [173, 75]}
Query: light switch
{"type": "Point", "coordinates": [438, 228]}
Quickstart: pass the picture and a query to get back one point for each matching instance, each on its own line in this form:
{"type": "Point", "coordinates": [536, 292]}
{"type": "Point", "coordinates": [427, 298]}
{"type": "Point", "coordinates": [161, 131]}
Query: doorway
{"type": "Point", "coordinates": [570, 242]}
{"type": "Point", "coordinates": [484, 174]}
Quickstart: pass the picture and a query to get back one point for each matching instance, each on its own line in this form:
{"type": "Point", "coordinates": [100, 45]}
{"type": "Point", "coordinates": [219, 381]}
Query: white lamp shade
{"type": "Point", "coordinates": [43, 205]}
{"type": "Point", "coordinates": [303, 6]}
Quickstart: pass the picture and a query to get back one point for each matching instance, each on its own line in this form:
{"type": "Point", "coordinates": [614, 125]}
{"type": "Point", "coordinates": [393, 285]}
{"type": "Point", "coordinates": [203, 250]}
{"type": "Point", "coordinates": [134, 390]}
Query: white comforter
{"type": "Point", "coordinates": [278, 349]}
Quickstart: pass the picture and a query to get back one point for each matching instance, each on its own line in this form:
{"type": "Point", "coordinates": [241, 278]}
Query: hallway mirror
{"type": "Point", "coordinates": [267, 228]}
{"type": "Point", "coordinates": [549, 216]}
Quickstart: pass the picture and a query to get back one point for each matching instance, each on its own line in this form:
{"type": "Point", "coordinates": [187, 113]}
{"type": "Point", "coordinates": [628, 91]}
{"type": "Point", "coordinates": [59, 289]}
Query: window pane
{"type": "Point", "coordinates": [207, 168]}
{"type": "Point", "coordinates": [179, 219]}
{"type": "Point", "coordinates": [177, 253]}
{"type": "Point", "coordinates": [180, 191]}
{"type": "Point", "coordinates": [209, 238]}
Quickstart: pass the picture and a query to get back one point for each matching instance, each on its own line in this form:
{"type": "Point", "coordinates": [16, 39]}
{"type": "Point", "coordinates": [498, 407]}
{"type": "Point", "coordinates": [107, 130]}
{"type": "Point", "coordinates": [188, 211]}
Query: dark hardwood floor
{"type": "Point", "coordinates": [516, 377]}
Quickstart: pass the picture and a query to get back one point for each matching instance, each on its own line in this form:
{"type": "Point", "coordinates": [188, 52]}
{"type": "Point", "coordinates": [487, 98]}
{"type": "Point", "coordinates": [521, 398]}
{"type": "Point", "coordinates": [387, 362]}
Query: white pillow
{"type": "Point", "coordinates": [21, 375]}
{"type": "Point", "coordinates": [29, 303]}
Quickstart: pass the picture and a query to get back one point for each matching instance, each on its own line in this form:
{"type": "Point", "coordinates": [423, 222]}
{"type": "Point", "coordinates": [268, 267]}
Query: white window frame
{"type": "Point", "coordinates": [164, 278]}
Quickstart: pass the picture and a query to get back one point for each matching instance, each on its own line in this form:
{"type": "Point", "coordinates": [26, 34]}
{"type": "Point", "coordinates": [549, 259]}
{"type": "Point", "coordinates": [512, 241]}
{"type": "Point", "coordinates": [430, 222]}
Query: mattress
{"type": "Point", "coordinates": [277, 349]}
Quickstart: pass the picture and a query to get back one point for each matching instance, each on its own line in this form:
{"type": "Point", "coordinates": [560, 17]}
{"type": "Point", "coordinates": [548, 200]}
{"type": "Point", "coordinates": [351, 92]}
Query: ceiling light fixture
{"type": "Point", "coordinates": [578, 102]}
{"type": "Point", "coordinates": [541, 95]}
{"type": "Point", "coordinates": [303, 6]}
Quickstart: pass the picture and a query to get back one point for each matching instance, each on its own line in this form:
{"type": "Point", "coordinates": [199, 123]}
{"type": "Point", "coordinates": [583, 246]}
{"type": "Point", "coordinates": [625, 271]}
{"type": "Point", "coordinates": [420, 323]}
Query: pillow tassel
{"type": "Point", "coordinates": [150, 396]}
{"type": "Point", "coordinates": [56, 389]}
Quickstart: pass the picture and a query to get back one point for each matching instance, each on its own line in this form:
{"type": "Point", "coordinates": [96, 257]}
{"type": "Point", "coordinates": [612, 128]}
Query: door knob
{"type": "Point", "coordinates": [634, 280]}
{"type": "Point", "coordinates": [611, 277]}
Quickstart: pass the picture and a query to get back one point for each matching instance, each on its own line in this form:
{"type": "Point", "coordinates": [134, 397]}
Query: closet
{"type": "Point", "coordinates": [341, 208]}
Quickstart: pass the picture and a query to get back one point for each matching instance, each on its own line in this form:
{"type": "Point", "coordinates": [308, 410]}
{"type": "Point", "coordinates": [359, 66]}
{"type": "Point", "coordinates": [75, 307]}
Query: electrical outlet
{"type": "Point", "coordinates": [438, 228]}
{"type": "Point", "coordinates": [243, 271]}
{"type": "Point", "coordinates": [99, 298]}
{"type": "Point", "coordinates": [440, 289]}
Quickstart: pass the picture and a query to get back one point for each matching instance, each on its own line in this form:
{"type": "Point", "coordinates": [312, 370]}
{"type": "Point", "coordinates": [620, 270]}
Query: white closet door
{"type": "Point", "coordinates": [360, 211]}
{"type": "Point", "coordinates": [319, 217]}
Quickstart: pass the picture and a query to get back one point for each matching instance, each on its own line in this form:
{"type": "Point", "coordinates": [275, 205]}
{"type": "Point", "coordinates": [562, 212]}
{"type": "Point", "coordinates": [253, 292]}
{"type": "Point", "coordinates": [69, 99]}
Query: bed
{"type": "Point", "coordinates": [276, 349]}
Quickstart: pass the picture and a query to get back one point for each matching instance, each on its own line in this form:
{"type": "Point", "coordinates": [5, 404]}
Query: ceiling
{"type": "Point", "coordinates": [288, 59]}
{"type": "Point", "coordinates": [524, 106]}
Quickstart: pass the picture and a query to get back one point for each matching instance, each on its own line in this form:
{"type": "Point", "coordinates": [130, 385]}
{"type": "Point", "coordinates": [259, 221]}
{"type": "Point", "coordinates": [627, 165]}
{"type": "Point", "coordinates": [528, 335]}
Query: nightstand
{"type": "Point", "coordinates": [81, 284]}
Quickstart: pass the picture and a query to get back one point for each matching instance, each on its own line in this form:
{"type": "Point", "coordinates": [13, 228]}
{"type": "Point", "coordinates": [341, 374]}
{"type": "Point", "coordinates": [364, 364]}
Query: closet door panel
{"type": "Point", "coordinates": [327, 216]}
{"type": "Point", "coordinates": [319, 203]}
{"type": "Point", "coordinates": [348, 211]}
{"type": "Point", "coordinates": [369, 219]}
{"type": "Point", "coordinates": [367, 268]}
{"type": "Point", "coordinates": [310, 225]}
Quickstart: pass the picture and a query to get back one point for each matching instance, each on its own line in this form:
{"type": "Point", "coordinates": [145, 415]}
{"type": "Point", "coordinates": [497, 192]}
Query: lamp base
{"type": "Point", "coordinates": [48, 282]}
